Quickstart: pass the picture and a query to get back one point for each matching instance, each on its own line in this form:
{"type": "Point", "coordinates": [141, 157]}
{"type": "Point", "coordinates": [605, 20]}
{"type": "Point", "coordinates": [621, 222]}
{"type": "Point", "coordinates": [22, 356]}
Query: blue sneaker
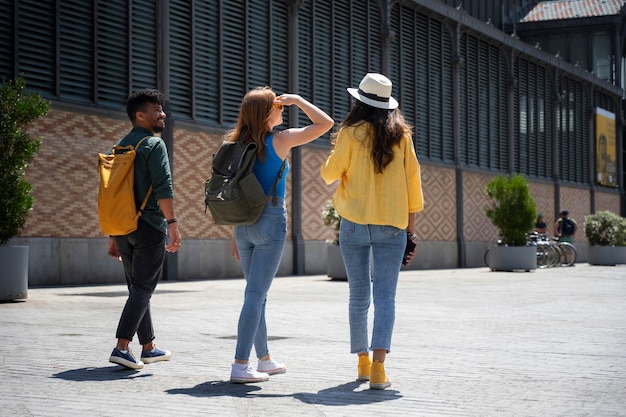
{"type": "Point", "coordinates": [125, 359]}
{"type": "Point", "coordinates": [155, 355]}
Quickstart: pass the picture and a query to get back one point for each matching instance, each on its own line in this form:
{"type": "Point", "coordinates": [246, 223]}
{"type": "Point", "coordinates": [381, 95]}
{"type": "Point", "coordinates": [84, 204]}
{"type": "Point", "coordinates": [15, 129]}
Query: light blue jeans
{"type": "Point", "coordinates": [260, 248]}
{"type": "Point", "coordinates": [377, 250]}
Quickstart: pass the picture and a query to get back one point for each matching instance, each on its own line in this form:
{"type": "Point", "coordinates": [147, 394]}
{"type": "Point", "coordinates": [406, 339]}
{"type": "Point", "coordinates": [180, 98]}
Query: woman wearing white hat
{"type": "Point", "coordinates": [378, 194]}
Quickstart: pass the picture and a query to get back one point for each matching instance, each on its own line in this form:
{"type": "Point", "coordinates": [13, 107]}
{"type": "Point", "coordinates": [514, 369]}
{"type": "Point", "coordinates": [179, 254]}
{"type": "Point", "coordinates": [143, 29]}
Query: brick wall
{"type": "Point", "coordinates": [65, 183]}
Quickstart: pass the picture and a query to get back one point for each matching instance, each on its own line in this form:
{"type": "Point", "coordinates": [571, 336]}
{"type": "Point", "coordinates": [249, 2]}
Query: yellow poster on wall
{"type": "Point", "coordinates": [606, 169]}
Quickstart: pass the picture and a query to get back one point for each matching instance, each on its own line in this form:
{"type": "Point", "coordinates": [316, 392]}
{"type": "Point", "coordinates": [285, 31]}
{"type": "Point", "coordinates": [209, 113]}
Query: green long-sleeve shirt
{"type": "Point", "coordinates": [151, 167]}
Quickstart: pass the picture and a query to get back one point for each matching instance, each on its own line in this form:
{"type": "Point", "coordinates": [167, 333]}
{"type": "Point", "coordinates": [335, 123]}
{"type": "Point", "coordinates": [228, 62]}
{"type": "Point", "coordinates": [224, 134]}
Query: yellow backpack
{"type": "Point", "coordinates": [116, 198]}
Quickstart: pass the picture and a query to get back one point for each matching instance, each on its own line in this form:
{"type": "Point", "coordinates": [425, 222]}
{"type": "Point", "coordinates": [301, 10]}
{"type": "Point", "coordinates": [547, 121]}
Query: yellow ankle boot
{"type": "Point", "coordinates": [364, 368]}
{"type": "Point", "coordinates": [378, 379]}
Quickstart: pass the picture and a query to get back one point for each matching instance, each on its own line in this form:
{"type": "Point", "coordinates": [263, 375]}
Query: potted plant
{"type": "Point", "coordinates": [335, 268]}
{"type": "Point", "coordinates": [513, 211]}
{"type": "Point", "coordinates": [17, 148]}
{"type": "Point", "coordinates": [606, 234]}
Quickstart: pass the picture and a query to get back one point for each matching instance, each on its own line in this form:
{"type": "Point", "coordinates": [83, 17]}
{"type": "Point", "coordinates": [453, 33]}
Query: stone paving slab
{"type": "Point", "coordinates": [467, 342]}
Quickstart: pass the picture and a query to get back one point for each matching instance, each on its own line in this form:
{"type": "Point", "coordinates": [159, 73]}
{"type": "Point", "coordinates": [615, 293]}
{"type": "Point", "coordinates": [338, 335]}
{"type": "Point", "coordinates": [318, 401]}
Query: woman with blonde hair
{"type": "Point", "coordinates": [378, 194]}
{"type": "Point", "coordinates": [259, 246]}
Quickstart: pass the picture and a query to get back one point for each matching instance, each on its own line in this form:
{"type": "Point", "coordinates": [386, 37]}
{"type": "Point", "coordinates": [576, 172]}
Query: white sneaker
{"type": "Point", "coordinates": [271, 367]}
{"type": "Point", "coordinates": [244, 373]}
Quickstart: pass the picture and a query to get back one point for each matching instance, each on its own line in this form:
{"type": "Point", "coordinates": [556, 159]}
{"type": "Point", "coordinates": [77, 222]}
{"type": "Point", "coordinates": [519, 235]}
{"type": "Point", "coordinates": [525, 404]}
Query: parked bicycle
{"type": "Point", "coordinates": [551, 254]}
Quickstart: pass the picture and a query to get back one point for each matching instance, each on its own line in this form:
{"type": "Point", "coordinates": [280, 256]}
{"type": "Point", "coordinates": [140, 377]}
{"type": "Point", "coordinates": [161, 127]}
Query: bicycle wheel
{"type": "Point", "coordinates": [543, 255]}
{"type": "Point", "coordinates": [547, 255]}
{"type": "Point", "coordinates": [568, 251]}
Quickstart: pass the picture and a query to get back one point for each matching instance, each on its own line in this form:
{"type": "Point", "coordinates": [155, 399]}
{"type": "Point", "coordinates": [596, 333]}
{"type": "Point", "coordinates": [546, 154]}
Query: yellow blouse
{"type": "Point", "coordinates": [365, 197]}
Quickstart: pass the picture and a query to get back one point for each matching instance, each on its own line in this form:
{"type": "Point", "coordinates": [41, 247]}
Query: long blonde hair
{"type": "Point", "coordinates": [254, 114]}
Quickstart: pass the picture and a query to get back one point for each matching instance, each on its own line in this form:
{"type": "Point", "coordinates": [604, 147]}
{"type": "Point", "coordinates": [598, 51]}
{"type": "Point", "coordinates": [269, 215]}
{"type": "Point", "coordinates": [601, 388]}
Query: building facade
{"type": "Point", "coordinates": [482, 102]}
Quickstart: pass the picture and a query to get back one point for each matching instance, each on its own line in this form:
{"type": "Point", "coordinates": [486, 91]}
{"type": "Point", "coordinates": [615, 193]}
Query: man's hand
{"type": "Point", "coordinates": [112, 250]}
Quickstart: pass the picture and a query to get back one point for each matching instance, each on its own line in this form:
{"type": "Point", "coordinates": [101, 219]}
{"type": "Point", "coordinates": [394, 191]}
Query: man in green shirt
{"type": "Point", "coordinates": [142, 251]}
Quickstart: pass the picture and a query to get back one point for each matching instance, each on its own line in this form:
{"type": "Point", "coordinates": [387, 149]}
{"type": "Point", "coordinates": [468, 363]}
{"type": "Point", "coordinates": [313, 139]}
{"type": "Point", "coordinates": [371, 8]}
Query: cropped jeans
{"type": "Point", "coordinates": [260, 248]}
{"type": "Point", "coordinates": [143, 252]}
{"type": "Point", "coordinates": [372, 255]}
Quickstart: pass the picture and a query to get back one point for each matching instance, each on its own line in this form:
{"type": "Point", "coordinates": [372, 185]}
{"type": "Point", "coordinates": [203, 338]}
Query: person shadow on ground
{"type": "Point", "coordinates": [105, 373]}
{"type": "Point", "coordinates": [344, 394]}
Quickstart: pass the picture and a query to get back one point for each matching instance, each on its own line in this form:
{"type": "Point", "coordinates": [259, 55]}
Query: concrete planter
{"type": "Point", "coordinates": [335, 268]}
{"type": "Point", "coordinates": [606, 255]}
{"type": "Point", "coordinates": [511, 258]}
{"type": "Point", "coordinates": [13, 273]}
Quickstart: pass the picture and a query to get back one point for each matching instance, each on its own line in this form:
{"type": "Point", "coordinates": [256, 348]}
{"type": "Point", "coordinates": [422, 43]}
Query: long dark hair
{"type": "Point", "coordinates": [254, 113]}
{"type": "Point", "coordinates": [388, 128]}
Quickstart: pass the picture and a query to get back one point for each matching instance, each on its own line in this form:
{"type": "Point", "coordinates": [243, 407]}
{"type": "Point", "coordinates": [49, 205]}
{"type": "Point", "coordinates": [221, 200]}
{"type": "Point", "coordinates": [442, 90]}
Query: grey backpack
{"type": "Point", "coordinates": [233, 194]}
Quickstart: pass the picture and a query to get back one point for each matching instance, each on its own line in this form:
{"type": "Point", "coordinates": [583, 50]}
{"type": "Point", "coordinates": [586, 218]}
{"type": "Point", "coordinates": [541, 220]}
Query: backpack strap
{"type": "Point", "coordinates": [145, 200]}
{"type": "Point", "coordinates": [273, 191]}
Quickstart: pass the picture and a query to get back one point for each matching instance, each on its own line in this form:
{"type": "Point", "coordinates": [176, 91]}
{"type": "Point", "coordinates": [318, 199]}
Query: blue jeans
{"type": "Point", "coordinates": [378, 250]}
{"type": "Point", "coordinates": [260, 248]}
{"type": "Point", "coordinates": [143, 252]}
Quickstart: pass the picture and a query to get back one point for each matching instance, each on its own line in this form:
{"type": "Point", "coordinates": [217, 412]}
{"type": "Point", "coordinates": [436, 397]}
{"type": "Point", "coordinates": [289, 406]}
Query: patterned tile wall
{"type": "Point", "coordinates": [605, 201]}
{"type": "Point", "coordinates": [476, 226]}
{"type": "Point", "coordinates": [577, 201]}
{"type": "Point", "coordinates": [65, 182]}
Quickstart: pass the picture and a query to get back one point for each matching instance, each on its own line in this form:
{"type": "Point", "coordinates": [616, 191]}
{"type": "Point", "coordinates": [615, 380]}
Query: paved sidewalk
{"type": "Point", "coordinates": [467, 342]}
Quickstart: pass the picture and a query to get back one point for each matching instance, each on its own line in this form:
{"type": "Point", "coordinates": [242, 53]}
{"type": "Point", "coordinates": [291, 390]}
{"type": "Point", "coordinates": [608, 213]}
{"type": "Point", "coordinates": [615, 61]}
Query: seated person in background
{"type": "Point", "coordinates": [540, 225]}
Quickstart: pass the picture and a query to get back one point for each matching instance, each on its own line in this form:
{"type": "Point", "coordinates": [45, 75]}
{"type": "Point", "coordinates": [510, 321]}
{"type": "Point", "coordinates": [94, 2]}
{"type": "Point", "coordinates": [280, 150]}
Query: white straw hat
{"type": "Point", "coordinates": [375, 90]}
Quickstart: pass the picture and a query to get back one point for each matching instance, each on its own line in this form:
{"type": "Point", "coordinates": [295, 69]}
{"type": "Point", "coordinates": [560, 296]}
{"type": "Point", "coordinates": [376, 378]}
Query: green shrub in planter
{"type": "Point", "coordinates": [605, 228]}
{"type": "Point", "coordinates": [333, 219]}
{"type": "Point", "coordinates": [512, 209]}
{"type": "Point", "coordinates": [17, 109]}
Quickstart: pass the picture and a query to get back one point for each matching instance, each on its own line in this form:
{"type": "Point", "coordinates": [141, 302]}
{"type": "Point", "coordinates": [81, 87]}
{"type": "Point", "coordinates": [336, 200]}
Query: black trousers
{"type": "Point", "coordinates": [143, 252]}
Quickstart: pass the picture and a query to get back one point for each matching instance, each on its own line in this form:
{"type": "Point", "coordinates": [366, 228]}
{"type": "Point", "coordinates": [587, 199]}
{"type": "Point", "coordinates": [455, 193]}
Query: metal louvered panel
{"type": "Point", "coordinates": [520, 111]}
{"type": "Point", "coordinates": [526, 149]}
{"type": "Point", "coordinates": [279, 51]}
{"type": "Point", "coordinates": [206, 60]}
{"type": "Point", "coordinates": [322, 55]}
{"type": "Point", "coordinates": [395, 52]}
{"type": "Point", "coordinates": [306, 40]}
{"type": "Point", "coordinates": [447, 113]}
{"type": "Point", "coordinates": [340, 57]}
{"type": "Point", "coordinates": [374, 48]}
{"type": "Point", "coordinates": [485, 80]}
{"type": "Point", "coordinates": [435, 81]}
{"type": "Point", "coordinates": [76, 51]}
{"type": "Point", "coordinates": [403, 60]}
{"type": "Point", "coordinates": [7, 29]}
{"type": "Point", "coordinates": [503, 123]}
{"type": "Point", "coordinates": [573, 131]}
{"type": "Point", "coordinates": [259, 44]}
{"type": "Point", "coordinates": [360, 45]}
{"type": "Point", "coordinates": [543, 135]}
{"type": "Point", "coordinates": [113, 54]}
{"type": "Point", "coordinates": [469, 108]}
{"type": "Point", "coordinates": [144, 52]}
{"type": "Point", "coordinates": [498, 121]}
{"type": "Point", "coordinates": [234, 60]}
{"type": "Point", "coordinates": [182, 66]}
{"type": "Point", "coordinates": [36, 39]}
{"type": "Point", "coordinates": [422, 127]}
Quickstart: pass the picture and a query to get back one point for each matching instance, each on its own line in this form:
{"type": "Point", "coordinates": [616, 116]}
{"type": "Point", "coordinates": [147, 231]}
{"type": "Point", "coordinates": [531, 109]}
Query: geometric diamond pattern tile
{"type": "Point", "coordinates": [64, 178]}
{"type": "Point", "coordinates": [577, 202]}
{"type": "Point", "coordinates": [437, 222]}
{"type": "Point", "coordinates": [476, 225]}
{"type": "Point", "coordinates": [607, 201]}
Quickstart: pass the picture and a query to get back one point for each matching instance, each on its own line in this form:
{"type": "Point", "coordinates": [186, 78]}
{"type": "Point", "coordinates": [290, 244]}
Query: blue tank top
{"type": "Point", "coordinates": [267, 171]}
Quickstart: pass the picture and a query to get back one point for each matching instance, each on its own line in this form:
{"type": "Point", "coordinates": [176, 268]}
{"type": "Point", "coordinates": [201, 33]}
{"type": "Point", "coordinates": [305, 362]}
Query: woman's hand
{"type": "Point", "coordinates": [288, 99]}
{"type": "Point", "coordinates": [235, 251]}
